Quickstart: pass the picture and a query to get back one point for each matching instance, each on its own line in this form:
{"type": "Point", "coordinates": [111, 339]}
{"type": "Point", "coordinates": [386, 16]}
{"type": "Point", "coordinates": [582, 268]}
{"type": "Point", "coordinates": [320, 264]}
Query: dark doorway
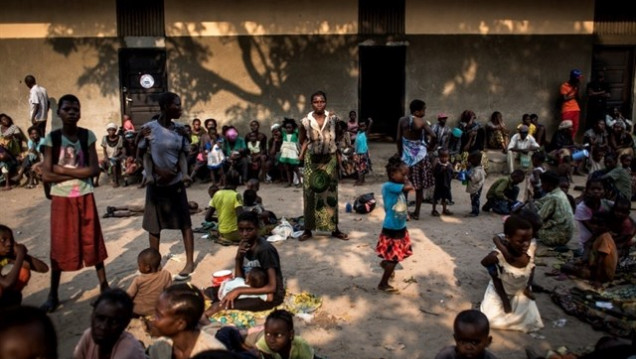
{"type": "Point", "coordinates": [382, 87]}
{"type": "Point", "coordinates": [143, 77]}
{"type": "Point", "coordinates": [618, 66]}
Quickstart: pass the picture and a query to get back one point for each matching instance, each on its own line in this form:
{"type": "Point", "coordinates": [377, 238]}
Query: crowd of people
{"type": "Point", "coordinates": [314, 153]}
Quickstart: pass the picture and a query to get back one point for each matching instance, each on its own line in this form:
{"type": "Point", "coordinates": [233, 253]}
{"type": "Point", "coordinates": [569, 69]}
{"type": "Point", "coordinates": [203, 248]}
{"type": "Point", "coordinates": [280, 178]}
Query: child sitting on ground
{"type": "Point", "coordinates": [538, 158]}
{"type": "Point", "coordinates": [15, 268]}
{"type": "Point", "coordinates": [146, 287]}
{"type": "Point", "coordinates": [502, 194]}
{"type": "Point", "coordinates": [508, 302]}
{"type": "Point", "coordinates": [276, 340]}
{"type": "Point", "coordinates": [471, 331]}
{"type": "Point", "coordinates": [228, 203]}
{"type": "Point", "coordinates": [107, 336]}
{"type": "Point", "coordinates": [255, 185]}
{"type": "Point", "coordinates": [216, 161]}
{"type": "Point", "coordinates": [600, 268]}
{"type": "Point", "coordinates": [443, 173]}
{"type": "Point", "coordinates": [255, 278]}
{"type": "Point", "coordinates": [31, 159]}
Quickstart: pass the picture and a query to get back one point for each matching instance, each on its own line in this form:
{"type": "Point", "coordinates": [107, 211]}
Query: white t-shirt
{"type": "Point", "coordinates": [38, 96]}
{"type": "Point", "coordinates": [518, 144]}
{"type": "Point", "coordinates": [238, 282]}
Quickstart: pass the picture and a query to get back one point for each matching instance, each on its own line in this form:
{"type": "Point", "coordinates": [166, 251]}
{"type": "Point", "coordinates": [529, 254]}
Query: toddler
{"type": "Point", "coordinates": [538, 158]}
{"type": "Point", "coordinates": [146, 287]}
{"type": "Point", "coordinates": [216, 160]}
{"type": "Point", "coordinates": [112, 145]}
{"type": "Point", "coordinates": [476, 180]}
{"type": "Point", "coordinates": [361, 155]}
{"type": "Point", "coordinates": [290, 151]}
{"type": "Point", "coordinates": [254, 184]}
{"type": "Point", "coordinates": [394, 244]}
{"type": "Point", "coordinates": [255, 278]}
{"type": "Point", "coordinates": [32, 158]}
{"type": "Point", "coordinates": [471, 331]}
{"type": "Point", "coordinates": [107, 336]}
{"type": "Point", "coordinates": [508, 302]}
{"type": "Point", "coordinates": [15, 268]}
{"type": "Point", "coordinates": [443, 173]}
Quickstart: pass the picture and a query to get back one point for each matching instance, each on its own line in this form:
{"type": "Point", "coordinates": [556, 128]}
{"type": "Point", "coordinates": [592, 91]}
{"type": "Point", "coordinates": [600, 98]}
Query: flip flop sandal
{"type": "Point", "coordinates": [304, 237]}
{"type": "Point", "coordinates": [50, 305]}
{"type": "Point", "coordinates": [435, 214]}
{"type": "Point", "coordinates": [413, 216]}
{"type": "Point", "coordinates": [182, 277]}
{"type": "Point", "coordinates": [389, 290]}
{"type": "Point", "coordinates": [447, 213]}
{"type": "Point", "coordinates": [340, 235]}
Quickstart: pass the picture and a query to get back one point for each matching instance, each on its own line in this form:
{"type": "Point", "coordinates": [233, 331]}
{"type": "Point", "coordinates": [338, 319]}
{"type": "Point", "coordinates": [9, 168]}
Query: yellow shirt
{"type": "Point", "coordinates": [225, 202]}
{"type": "Point", "coordinates": [531, 129]}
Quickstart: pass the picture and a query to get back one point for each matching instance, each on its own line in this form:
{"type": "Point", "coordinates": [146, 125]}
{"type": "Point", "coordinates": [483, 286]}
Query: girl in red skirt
{"type": "Point", "coordinates": [394, 244]}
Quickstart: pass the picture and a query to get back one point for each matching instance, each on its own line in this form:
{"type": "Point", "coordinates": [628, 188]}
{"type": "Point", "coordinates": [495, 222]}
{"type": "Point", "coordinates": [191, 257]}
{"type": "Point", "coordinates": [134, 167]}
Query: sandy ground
{"type": "Point", "coordinates": [442, 278]}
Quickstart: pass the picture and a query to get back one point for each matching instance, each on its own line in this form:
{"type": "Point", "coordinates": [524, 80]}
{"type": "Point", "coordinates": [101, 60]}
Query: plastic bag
{"type": "Point", "coordinates": [364, 203]}
{"type": "Point", "coordinates": [283, 230]}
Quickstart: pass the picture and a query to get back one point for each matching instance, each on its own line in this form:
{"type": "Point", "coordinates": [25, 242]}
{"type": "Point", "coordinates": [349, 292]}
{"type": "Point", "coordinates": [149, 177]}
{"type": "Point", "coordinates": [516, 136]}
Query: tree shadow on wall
{"type": "Point", "coordinates": [273, 65]}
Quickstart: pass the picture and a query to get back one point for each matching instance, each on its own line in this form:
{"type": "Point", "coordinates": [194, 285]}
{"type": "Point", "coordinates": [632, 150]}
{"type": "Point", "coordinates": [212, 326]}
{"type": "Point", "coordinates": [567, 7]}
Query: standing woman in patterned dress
{"type": "Point", "coordinates": [317, 137]}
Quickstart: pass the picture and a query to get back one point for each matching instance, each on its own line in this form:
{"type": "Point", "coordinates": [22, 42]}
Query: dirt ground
{"type": "Point", "coordinates": [442, 278]}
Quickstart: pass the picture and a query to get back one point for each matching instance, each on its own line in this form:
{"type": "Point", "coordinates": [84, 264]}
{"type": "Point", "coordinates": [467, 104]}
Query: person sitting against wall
{"type": "Point", "coordinates": [521, 147]}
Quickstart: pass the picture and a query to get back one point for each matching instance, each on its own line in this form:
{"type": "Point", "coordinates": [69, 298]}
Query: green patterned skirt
{"type": "Point", "coordinates": [320, 192]}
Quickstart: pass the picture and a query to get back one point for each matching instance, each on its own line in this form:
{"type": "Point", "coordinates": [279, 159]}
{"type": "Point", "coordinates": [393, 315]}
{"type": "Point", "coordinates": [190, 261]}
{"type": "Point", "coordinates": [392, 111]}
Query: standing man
{"type": "Point", "coordinates": [598, 92]}
{"type": "Point", "coordinates": [412, 147]}
{"type": "Point", "coordinates": [570, 109]}
{"type": "Point", "coordinates": [38, 104]}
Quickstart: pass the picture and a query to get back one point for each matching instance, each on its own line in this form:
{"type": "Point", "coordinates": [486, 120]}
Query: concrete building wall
{"type": "Point", "coordinates": [237, 61]}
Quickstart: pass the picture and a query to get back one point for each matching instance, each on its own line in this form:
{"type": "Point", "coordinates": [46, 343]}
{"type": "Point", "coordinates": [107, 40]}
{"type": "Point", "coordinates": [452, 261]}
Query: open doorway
{"type": "Point", "coordinates": [617, 64]}
{"type": "Point", "coordinates": [382, 87]}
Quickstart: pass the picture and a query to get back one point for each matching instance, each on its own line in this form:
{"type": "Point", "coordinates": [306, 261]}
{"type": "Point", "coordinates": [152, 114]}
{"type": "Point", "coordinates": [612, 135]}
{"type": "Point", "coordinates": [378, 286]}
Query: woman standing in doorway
{"type": "Point", "coordinates": [320, 186]}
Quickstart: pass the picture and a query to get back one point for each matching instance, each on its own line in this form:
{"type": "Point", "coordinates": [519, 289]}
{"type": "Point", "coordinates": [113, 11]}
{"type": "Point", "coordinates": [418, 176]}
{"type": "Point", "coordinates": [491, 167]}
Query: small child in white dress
{"type": "Point", "coordinates": [509, 302]}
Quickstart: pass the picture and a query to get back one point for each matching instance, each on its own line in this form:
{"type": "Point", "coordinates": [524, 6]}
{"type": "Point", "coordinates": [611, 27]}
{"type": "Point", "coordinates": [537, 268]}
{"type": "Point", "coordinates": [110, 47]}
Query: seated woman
{"type": "Point", "coordinates": [177, 315]}
{"type": "Point", "coordinates": [555, 212]}
{"type": "Point", "coordinates": [11, 137]}
{"type": "Point", "coordinates": [253, 251]}
{"type": "Point", "coordinates": [497, 135]}
{"type": "Point", "coordinates": [621, 141]}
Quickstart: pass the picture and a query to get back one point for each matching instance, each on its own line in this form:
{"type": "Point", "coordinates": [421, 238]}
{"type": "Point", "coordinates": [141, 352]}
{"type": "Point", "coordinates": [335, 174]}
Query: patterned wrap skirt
{"type": "Point", "coordinates": [320, 192]}
{"type": "Point", "coordinates": [394, 245]}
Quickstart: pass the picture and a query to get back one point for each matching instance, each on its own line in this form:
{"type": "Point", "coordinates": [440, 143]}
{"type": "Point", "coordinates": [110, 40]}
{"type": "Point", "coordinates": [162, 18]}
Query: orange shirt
{"type": "Point", "coordinates": [572, 104]}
